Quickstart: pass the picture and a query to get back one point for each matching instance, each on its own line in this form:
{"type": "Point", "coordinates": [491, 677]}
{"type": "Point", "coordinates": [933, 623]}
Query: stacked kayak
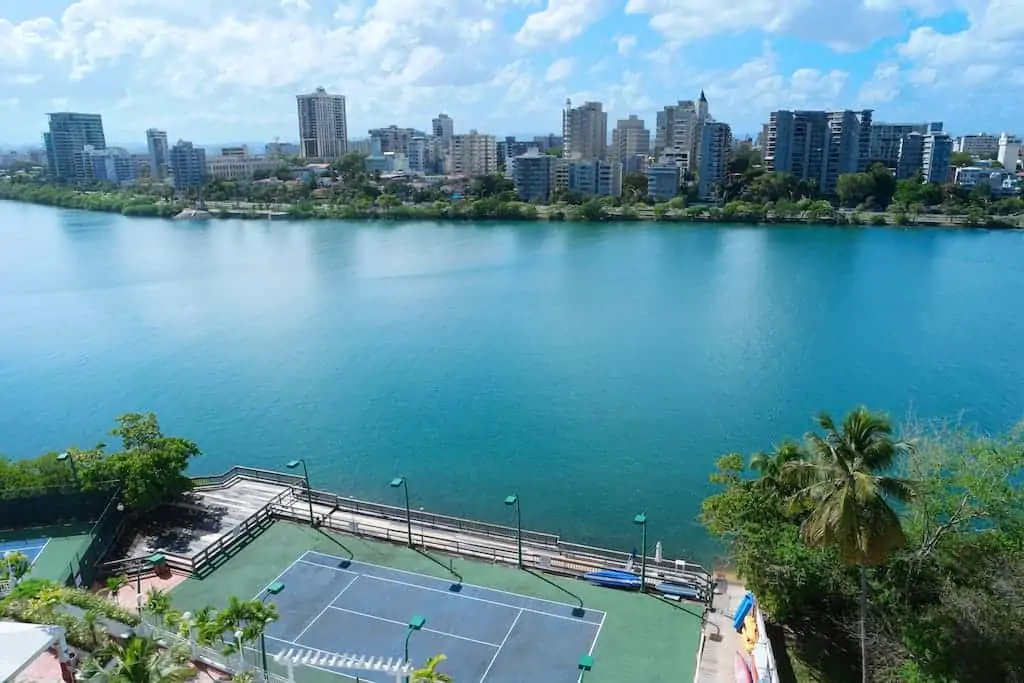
{"type": "Point", "coordinates": [681, 589]}
{"type": "Point", "coordinates": [614, 578]}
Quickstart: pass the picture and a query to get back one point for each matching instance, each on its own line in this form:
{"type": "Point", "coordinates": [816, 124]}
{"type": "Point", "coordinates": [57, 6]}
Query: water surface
{"type": "Point", "coordinates": [596, 370]}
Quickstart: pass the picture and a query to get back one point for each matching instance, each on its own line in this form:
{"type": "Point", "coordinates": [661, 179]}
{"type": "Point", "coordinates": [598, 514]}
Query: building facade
{"type": "Point", "coordinates": [395, 139]}
{"type": "Point", "coordinates": [1001, 182]}
{"type": "Point", "coordinates": [936, 155]}
{"type": "Point", "coordinates": [156, 144]}
{"type": "Point", "coordinates": [111, 165]}
{"type": "Point", "coordinates": [584, 131]}
{"type": "Point", "coordinates": [713, 157]}
{"type": "Point", "coordinates": [1009, 151]}
{"type": "Point", "coordinates": [677, 131]}
{"type": "Point", "coordinates": [979, 146]}
{"type": "Point", "coordinates": [472, 154]}
{"type": "Point", "coordinates": [910, 158]}
{"type": "Point", "coordinates": [238, 166]}
{"type": "Point", "coordinates": [595, 177]}
{"type": "Point", "coordinates": [663, 182]}
{"type": "Point", "coordinates": [886, 139]}
{"type": "Point", "coordinates": [533, 174]}
{"type": "Point", "coordinates": [282, 149]}
{"type": "Point", "coordinates": [69, 134]}
{"type": "Point", "coordinates": [819, 146]}
{"type": "Point", "coordinates": [510, 148]}
{"type": "Point", "coordinates": [631, 144]}
{"type": "Point", "coordinates": [443, 127]}
{"type": "Point", "coordinates": [323, 125]}
{"type": "Point", "coordinates": [188, 165]}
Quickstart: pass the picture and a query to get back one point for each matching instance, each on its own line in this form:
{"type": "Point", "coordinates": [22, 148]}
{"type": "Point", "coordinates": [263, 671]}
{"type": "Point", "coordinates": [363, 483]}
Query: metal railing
{"type": "Point", "coordinates": [239, 471]}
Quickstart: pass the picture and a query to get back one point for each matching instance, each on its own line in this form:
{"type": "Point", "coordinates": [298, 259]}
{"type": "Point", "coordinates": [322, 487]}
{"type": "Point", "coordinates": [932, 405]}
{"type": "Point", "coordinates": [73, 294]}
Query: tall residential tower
{"type": "Point", "coordinates": [156, 142]}
{"type": "Point", "coordinates": [584, 131]}
{"type": "Point", "coordinates": [70, 133]}
{"type": "Point", "coordinates": [323, 126]}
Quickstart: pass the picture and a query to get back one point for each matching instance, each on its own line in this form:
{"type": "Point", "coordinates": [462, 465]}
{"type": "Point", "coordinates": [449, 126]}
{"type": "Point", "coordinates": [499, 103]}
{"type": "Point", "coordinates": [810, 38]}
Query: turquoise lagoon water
{"type": "Point", "coordinates": [595, 370]}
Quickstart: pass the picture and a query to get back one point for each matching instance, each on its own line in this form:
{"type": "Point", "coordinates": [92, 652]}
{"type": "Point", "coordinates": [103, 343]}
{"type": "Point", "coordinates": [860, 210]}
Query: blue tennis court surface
{"type": "Point", "coordinates": [488, 636]}
{"type": "Point", "coordinates": [31, 547]}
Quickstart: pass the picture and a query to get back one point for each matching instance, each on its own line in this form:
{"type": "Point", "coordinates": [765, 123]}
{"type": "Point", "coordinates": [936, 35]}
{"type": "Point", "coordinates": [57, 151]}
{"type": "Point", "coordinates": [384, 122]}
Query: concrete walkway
{"type": "Point", "coordinates": [721, 642]}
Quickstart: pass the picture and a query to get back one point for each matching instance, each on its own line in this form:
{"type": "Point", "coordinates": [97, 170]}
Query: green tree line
{"type": "Point", "coordinates": [883, 558]}
{"type": "Point", "coordinates": [148, 468]}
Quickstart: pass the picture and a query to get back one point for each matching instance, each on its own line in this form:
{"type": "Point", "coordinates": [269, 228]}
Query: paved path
{"type": "Point", "coordinates": [717, 660]}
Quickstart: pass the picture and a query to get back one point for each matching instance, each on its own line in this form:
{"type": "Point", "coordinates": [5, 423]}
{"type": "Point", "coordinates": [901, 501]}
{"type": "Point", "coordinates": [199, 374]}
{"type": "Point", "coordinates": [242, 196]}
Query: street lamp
{"type": "Point", "coordinates": [641, 520]}
{"type": "Point", "coordinates": [401, 482]}
{"type": "Point", "coordinates": [513, 500]}
{"type": "Point", "coordinates": [263, 648]}
{"type": "Point", "coordinates": [66, 456]}
{"type": "Point", "coordinates": [292, 464]}
{"type": "Point", "coordinates": [415, 624]}
{"type": "Point", "coordinates": [241, 653]}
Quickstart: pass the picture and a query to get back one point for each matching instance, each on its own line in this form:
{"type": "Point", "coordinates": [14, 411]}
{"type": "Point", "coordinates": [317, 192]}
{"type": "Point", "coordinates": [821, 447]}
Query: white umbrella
{"type": "Point", "coordinates": [657, 551]}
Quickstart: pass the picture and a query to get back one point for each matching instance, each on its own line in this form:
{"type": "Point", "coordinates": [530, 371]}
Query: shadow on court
{"type": "Point", "coordinates": [450, 568]}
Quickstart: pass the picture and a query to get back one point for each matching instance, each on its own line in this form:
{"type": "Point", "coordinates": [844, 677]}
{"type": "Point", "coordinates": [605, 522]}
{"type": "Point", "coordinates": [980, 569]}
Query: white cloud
{"type": "Point", "coordinates": [884, 86]}
{"type": "Point", "coordinates": [625, 44]}
{"type": "Point", "coordinates": [842, 26]}
{"type": "Point", "coordinates": [560, 21]}
{"type": "Point", "coordinates": [560, 70]}
{"type": "Point", "coordinates": [24, 79]}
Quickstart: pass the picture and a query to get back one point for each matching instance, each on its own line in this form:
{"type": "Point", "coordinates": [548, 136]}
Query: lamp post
{"type": "Point", "coordinates": [513, 500]}
{"type": "Point", "coordinates": [263, 649]}
{"type": "Point", "coordinates": [641, 520]}
{"type": "Point", "coordinates": [241, 653]}
{"type": "Point", "coordinates": [415, 624]}
{"type": "Point", "coordinates": [401, 482]}
{"type": "Point", "coordinates": [66, 457]}
{"type": "Point", "coordinates": [292, 464]}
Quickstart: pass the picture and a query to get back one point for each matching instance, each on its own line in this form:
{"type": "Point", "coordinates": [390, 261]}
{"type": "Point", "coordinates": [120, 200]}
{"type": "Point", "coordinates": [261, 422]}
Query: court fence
{"type": "Point", "coordinates": [53, 505]}
{"type": "Point", "coordinates": [104, 534]}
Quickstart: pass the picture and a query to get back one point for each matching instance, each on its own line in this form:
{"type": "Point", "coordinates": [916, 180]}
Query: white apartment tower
{"type": "Point", "coordinates": [472, 154]}
{"type": "Point", "coordinates": [677, 131]}
{"type": "Point", "coordinates": [1009, 151]}
{"type": "Point", "coordinates": [584, 131]}
{"type": "Point", "coordinates": [323, 126]}
{"type": "Point", "coordinates": [631, 143]}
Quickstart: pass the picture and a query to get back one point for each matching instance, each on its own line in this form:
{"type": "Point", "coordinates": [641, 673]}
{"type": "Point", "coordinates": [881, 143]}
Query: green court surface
{"type": "Point", "coordinates": [642, 638]}
{"type": "Point", "coordinates": [63, 545]}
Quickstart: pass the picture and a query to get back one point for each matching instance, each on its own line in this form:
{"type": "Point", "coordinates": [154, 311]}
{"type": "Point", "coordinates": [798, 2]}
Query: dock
{"type": "Point", "coordinates": [226, 509]}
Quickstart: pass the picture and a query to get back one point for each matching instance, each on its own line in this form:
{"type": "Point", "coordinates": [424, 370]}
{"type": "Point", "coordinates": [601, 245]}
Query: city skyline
{"type": "Point", "coordinates": [218, 73]}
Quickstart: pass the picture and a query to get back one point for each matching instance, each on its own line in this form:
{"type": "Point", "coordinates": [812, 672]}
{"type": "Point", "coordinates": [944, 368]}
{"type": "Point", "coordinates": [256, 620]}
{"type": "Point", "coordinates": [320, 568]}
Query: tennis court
{"type": "Point", "coordinates": [350, 607]}
{"type": "Point", "coordinates": [32, 548]}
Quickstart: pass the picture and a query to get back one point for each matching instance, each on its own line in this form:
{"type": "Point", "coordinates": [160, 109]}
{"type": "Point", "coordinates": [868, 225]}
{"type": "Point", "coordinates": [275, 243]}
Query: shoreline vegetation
{"type": "Point", "coordinates": [154, 202]}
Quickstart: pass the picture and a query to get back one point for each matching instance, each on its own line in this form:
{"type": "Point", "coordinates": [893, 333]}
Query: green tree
{"type": "Point", "coordinates": [429, 673]}
{"type": "Point", "coordinates": [115, 584]}
{"type": "Point", "coordinates": [250, 617]}
{"type": "Point", "coordinates": [634, 187]}
{"type": "Point", "coordinates": [139, 660]}
{"type": "Point", "coordinates": [150, 466]}
{"type": "Point", "coordinates": [845, 482]}
{"type": "Point", "coordinates": [591, 210]}
{"type": "Point", "coordinates": [854, 189]}
{"type": "Point", "coordinates": [770, 467]}
{"type": "Point", "coordinates": [961, 159]}
{"type": "Point", "coordinates": [15, 564]}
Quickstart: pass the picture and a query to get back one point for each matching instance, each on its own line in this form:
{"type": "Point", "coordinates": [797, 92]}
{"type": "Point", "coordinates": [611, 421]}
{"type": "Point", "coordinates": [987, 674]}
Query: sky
{"type": "Point", "coordinates": [229, 70]}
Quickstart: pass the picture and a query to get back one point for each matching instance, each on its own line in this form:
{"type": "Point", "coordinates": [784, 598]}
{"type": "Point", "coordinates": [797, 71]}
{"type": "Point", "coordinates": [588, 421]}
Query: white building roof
{"type": "Point", "coordinates": [20, 644]}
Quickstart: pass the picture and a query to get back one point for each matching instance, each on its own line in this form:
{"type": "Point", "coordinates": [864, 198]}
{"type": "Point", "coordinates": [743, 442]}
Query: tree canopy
{"type": "Point", "coordinates": [943, 566]}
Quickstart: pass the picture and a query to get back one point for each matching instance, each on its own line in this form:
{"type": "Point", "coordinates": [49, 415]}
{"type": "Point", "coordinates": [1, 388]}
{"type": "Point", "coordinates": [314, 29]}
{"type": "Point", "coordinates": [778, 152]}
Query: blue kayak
{"type": "Point", "coordinates": [678, 589]}
{"type": "Point", "coordinates": [614, 578]}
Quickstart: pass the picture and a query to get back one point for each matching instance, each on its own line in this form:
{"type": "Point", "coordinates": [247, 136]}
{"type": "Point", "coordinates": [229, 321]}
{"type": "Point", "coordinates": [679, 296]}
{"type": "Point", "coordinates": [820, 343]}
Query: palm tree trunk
{"type": "Point", "coordinates": [863, 621]}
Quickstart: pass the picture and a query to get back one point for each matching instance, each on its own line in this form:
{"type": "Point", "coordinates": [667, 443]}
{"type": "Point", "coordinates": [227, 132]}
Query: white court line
{"type": "Point", "coordinates": [461, 595]}
{"type": "Point", "coordinates": [503, 641]}
{"type": "Point", "coordinates": [278, 577]}
{"type": "Point", "coordinates": [404, 624]}
{"type": "Point", "coordinates": [310, 624]}
{"type": "Point", "coordinates": [593, 644]}
{"type": "Point", "coordinates": [471, 585]}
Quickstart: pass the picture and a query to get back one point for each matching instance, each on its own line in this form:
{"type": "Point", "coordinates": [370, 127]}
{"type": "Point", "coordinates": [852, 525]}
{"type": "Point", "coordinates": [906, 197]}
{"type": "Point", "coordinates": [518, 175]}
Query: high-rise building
{"type": "Point", "coordinates": [70, 133]}
{"type": "Point", "coordinates": [936, 156]}
{"type": "Point", "coordinates": [473, 154]}
{"type": "Point", "coordinates": [910, 158]}
{"type": "Point", "coordinates": [819, 146]}
{"type": "Point", "coordinates": [631, 144]}
{"type": "Point", "coordinates": [156, 142]}
{"type": "Point", "coordinates": [886, 139]}
{"type": "Point", "coordinates": [676, 129]}
{"type": "Point", "coordinates": [980, 146]}
{"type": "Point", "coordinates": [595, 177]}
{"type": "Point", "coordinates": [188, 165]}
{"type": "Point", "coordinates": [323, 125]}
{"type": "Point", "coordinates": [712, 157]}
{"type": "Point", "coordinates": [443, 127]}
{"type": "Point", "coordinates": [1009, 151]}
{"type": "Point", "coordinates": [584, 131]}
{"type": "Point", "coordinates": [533, 175]}
{"type": "Point", "coordinates": [395, 139]}
{"type": "Point", "coordinates": [110, 165]}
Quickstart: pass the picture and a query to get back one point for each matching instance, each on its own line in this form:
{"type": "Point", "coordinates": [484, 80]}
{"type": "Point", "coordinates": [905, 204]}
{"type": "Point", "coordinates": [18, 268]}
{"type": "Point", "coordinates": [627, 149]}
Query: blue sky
{"type": "Point", "coordinates": [226, 70]}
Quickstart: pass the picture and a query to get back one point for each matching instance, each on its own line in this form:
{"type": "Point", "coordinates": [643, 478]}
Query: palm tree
{"type": "Point", "coordinates": [429, 672]}
{"type": "Point", "coordinates": [844, 483]}
{"type": "Point", "coordinates": [89, 619]}
{"type": "Point", "coordinates": [139, 660]}
{"type": "Point", "coordinates": [770, 467]}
